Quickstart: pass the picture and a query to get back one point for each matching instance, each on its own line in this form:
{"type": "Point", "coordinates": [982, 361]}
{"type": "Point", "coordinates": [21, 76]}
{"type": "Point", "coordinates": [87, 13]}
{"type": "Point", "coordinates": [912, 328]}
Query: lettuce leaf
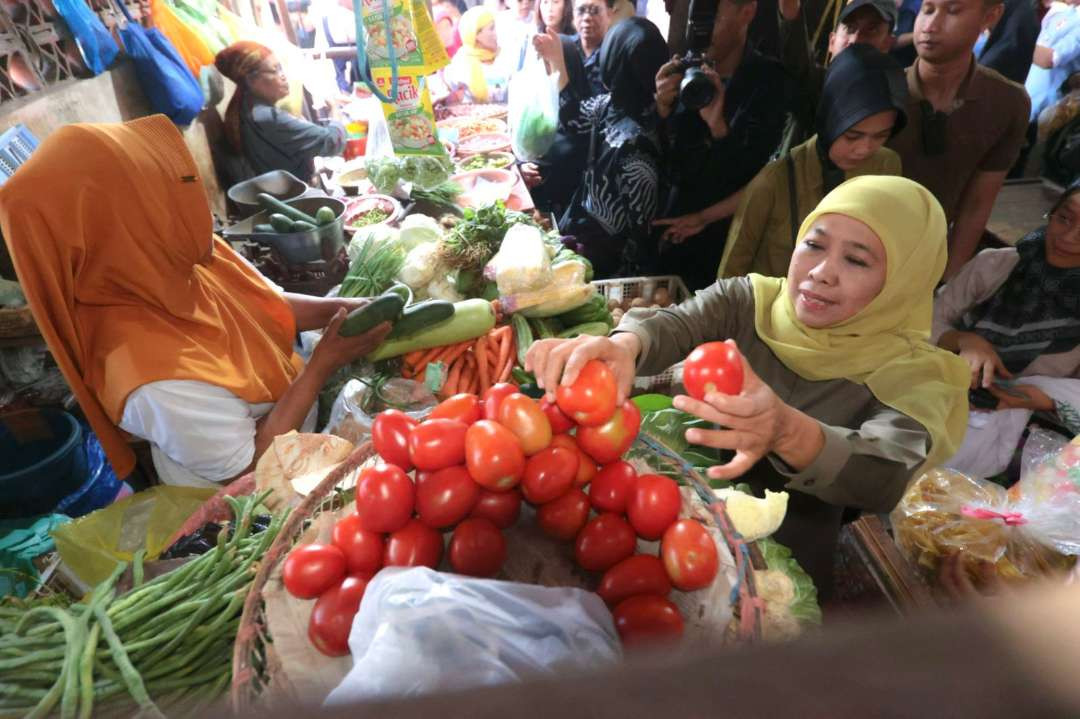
{"type": "Point", "coordinates": [805, 607]}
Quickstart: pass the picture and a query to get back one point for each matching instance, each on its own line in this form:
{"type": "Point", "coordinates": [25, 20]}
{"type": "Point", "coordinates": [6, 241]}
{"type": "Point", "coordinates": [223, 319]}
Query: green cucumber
{"type": "Point", "coordinates": [422, 316]}
{"type": "Point", "coordinates": [472, 318]}
{"type": "Point", "coordinates": [386, 308]}
{"type": "Point", "coordinates": [273, 204]}
{"type": "Point", "coordinates": [403, 290]}
{"type": "Point", "coordinates": [523, 336]}
{"type": "Point", "coordinates": [280, 222]}
{"type": "Point", "coordinates": [264, 229]}
{"type": "Point", "coordinates": [325, 215]}
{"type": "Point", "coordinates": [597, 329]}
{"type": "Point", "coordinates": [303, 226]}
{"type": "Point", "coordinates": [595, 310]}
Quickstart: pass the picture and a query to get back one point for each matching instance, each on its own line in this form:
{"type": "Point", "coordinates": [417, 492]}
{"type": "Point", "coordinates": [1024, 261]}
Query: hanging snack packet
{"type": "Point", "coordinates": [417, 48]}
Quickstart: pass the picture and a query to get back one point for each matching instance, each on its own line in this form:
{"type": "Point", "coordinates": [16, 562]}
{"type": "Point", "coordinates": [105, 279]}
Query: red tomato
{"type": "Point", "coordinates": [654, 505]}
{"type": "Point", "coordinates": [640, 574]}
{"type": "Point", "coordinates": [502, 508]}
{"type": "Point", "coordinates": [385, 497]}
{"type": "Point", "coordinates": [332, 618]}
{"type": "Point", "coordinates": [446, 497]}
{"type": "Point", "coordinates": [586, 466]}
{"type": "Point", "coordinates": [311, 569]}
{"type": "Point", "coordinates": [612, 487]}
{"type": "Point", "coordinates": [390, 435]}
{"type": "Point", "coordinates": [713, 367]}
{"type": "Point", "coordinates": [414, 545]}
{"type": "Point", "coordinates": [609, 441]}
{"type": "Point", "coordinates": [363, 549]}
{"type": "Point", "coordinates": [438, 444]}
{"type": "Point", "coordinates": [523, 416]}
{"type": "Point", "coordinates": [689, 554]}
{"type": "Point", "coordinates": [462, 407]}
{"type": "Point", "coordinates": [549, 475]}
{"type": "Point", "coordinates": [604, 542]}
{"type": "Point", "coordinates": [477, 548]}
{"type": "Point", "coordinates": [590, 400]}
{"type": "Point", "coordinates": [493, 456]}
{"type": "Point", "coordinates": [560, 423]}
{"type": "Point", "coordinates": [494, 396]}
{"type": "Point", "coordinates": [564, 517]}
{"type": "Point", "coordinates": [647, 620]}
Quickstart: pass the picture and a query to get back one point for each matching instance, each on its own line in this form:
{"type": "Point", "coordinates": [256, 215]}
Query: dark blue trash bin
{"type": "Point", "coordinates": [42, 461]}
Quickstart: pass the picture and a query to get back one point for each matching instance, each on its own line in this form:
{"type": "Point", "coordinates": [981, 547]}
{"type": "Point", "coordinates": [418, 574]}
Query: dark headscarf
{"type": "Point", "coordinates": [1036, 311]}
{"type": "Point", "coordinates": [860, 82]}
{"type": "Point", "coordinates": [237, 62]}
{"type": "Point", "coordinates": [630, 57]}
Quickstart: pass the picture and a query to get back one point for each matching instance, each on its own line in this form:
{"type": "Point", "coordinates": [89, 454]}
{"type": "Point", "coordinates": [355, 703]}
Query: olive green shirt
{"type": "Point", "coordinates": [762, 235]}
{"type": "Point", "coordinates": [870, 452]}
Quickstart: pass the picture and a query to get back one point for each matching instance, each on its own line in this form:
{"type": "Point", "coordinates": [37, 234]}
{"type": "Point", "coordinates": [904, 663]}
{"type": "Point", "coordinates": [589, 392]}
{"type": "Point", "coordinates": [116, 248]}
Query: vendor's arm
{"type": "Point", "coordinates": [867, 466]}
{"type": "Point", "coordinates": [294, 136]}
{"type": "Point", "coordinates": [314, 313]}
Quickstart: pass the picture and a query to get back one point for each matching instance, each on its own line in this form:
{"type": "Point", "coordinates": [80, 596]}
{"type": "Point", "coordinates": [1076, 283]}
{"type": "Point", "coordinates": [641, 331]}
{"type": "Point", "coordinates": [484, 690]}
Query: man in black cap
{"type": "Point", "coordinates": [861, 21]}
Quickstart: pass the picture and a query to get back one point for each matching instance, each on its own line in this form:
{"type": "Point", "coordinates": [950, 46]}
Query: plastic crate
{"type": "Point", "coordinates": [624, 288]}
{"type": "Point", "coordinates": [16, 144]}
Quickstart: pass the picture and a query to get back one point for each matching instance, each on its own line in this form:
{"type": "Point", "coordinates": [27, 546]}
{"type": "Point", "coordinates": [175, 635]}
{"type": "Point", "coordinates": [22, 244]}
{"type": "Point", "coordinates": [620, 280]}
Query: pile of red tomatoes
{"type": "Point", "coordinates": [475, 460]}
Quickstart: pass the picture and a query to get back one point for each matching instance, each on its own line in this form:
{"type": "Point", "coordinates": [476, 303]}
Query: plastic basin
{"type": "Point", "coordinates": [44, 461]}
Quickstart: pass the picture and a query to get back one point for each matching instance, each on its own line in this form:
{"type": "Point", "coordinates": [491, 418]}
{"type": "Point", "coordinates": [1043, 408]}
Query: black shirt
{"type": "Point", "coordinates": [1011, 45]}
{"type": "Point", "coordinates": [704, 171]}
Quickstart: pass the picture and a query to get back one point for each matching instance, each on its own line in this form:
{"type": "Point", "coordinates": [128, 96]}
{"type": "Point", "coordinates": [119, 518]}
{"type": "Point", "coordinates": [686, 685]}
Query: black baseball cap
{"type": "Point", "coordinates": [885, 8]}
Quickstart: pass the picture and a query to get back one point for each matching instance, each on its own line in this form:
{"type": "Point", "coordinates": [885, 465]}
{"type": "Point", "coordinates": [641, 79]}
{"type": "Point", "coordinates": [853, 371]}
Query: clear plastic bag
{"type": "Point", "coordinates": [522, 262]}
{"type": "Point", "coordinates": [1028, 531]}
{"type": "Point", "coordinates": [533, 109]}
{"type": "Point", "coordinates": [350, 420]}
{"type": "Point", "coordinates": [420, 631]}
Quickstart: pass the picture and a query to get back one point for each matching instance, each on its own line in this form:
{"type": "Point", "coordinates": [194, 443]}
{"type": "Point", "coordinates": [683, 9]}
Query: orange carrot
{"type": "Point", "coordinates": [413, 357]}
{"type": "Point", "coordinates": [506, 360]}
{"type": "Point", "coordinates": [482, 368]}
{"type": "Point", "coordinates": [468, 371]}
{"type": "Point", "coordinates": [450, 386]}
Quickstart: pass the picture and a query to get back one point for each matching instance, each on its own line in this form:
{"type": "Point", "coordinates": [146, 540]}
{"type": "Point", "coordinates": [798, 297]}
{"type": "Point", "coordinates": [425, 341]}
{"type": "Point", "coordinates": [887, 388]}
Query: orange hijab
{"type": "Point", "coordinates": [111, 234]}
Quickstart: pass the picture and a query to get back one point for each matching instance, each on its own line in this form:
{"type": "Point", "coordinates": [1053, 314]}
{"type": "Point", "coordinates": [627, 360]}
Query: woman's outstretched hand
{"type": "Point", "coordinates": [556, 362]}
{"type": "Point", "coordinates": [753, 423]}
{"type": "Point", "coordinates": [334, 351]}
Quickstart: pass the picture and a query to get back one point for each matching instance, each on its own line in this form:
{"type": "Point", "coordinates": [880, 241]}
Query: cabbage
{"type": "Point", "coordinates": [425, 171]}
{"type": "Point", "coordinates": [417, 230]}
{"type": "Point", "coordinates": [420, 265]}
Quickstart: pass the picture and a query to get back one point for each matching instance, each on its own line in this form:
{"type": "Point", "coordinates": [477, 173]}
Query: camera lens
{"type": "Point", "coordinates": [696, 90]}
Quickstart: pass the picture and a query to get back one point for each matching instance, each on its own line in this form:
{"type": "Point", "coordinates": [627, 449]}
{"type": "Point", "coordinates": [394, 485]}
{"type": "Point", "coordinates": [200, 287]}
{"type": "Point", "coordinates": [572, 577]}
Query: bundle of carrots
{"type": "Point", "coordinates": [470, 366]}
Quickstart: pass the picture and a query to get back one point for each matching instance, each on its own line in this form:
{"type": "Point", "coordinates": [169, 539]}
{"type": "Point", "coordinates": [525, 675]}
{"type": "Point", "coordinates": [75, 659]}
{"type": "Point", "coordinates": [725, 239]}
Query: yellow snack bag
{"type": "Point", "coordinates": [411, 120]}
{"type": "Point", "coordinates": [417, 48]}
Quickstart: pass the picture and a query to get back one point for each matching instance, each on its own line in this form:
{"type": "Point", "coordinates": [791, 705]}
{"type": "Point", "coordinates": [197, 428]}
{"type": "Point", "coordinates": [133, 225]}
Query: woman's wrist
{"type": "Point", "coordinates": [629, 342]}
{"type": "Point", "coordinates": [799, 438]}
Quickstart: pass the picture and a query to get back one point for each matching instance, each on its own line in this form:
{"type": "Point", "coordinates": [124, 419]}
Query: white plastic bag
{"type": "Point", "coordinates": [522, 262]}
{"type": "Point", "coordinates": [533, 109]}
{"type": "Point", "coordinates": [421, 631]}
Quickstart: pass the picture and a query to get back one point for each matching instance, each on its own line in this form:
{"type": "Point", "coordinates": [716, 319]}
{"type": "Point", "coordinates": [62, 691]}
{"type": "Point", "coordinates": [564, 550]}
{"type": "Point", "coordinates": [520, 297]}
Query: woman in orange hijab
{"type": "Point", "coordinates": [265, 137]}
{"type": "Point", "coordinates": [159, 327]}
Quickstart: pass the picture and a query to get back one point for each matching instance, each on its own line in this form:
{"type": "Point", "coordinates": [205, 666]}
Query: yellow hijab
{"type": "Point", "coordinates": [474, 57]}
{"type": "Point", "coordinates": [111, 234]}
{"type": "Point", "coordinates": [885, 345]}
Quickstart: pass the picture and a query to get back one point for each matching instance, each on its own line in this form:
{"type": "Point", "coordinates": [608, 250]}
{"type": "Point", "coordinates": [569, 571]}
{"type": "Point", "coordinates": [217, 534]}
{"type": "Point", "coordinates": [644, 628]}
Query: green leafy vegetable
{"type": "Point", "coordinates": [476, 239]}
{"type": "Point", "coordinates": [668, 428]}
{"type": "Point", "coordinates": [535, 133]}
{"type": "Point", "coordinates": [805, 607]}
{"type": "Point", "coordinates": [445, 195]}
{"type": "Point", "coordinates": [375, 268]}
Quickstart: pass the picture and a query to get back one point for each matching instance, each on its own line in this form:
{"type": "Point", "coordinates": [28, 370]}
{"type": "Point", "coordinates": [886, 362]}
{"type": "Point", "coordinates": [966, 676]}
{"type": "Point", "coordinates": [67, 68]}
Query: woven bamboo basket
{"type": "Point", "coordinates": [17, 322]}
{"type": "Point", "coordinates": [257, 667]}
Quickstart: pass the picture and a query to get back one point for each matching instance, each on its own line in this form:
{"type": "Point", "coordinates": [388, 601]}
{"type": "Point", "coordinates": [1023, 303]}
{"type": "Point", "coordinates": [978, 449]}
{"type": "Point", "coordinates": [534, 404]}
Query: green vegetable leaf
{"type": "Point", "coordinates": [668, 428]}
{"type": "Point", "coordinates": [805, 607]}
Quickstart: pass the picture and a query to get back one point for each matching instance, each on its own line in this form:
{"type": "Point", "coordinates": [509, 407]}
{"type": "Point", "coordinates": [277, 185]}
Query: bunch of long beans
{"type": "Point", "coordinates": [375, 268]}
{"type": "Point", "coordinates": [166, 644]}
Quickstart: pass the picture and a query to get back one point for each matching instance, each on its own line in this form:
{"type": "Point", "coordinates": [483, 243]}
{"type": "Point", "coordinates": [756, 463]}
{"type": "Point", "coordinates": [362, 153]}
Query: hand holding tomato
{"type": "Point", "coordinates": [753, 423]}
{"type": "Point", "coordinates": [558, 362]}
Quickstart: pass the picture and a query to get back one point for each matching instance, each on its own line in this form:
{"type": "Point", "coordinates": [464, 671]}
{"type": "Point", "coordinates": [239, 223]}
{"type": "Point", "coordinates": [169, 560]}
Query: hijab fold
{"type": "Point", "coordinates": [885, 346]}
{"type": "Point", "coordinates": [860, 82]}
{"type": "Point", "coordinates": [111, 235]}
{"type": "Point", "coordinates": [630, 57]}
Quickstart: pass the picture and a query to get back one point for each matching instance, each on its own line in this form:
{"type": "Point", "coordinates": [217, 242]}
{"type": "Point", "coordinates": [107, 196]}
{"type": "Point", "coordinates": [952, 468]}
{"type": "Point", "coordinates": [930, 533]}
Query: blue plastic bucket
{"type": "Point", "coordinates": [42, 460]}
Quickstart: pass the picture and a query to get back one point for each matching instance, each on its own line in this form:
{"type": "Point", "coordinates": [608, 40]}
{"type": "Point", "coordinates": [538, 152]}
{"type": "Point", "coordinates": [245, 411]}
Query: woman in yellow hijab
{"type": "Point", "coordinates": [844, 399]}
{"type": "Point", "coordinates": [475, 75]}
{"type": "Point", "coordinates": [159, 327]}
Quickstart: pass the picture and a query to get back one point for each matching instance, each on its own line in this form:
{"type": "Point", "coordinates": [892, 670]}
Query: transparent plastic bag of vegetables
{"type": "Point", "coordinates": [533, 110]}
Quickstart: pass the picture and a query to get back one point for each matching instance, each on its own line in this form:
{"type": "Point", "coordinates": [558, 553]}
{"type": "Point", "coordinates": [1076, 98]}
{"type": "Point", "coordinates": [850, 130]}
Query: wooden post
{"type": "Point", "coordinates": [286, 21]}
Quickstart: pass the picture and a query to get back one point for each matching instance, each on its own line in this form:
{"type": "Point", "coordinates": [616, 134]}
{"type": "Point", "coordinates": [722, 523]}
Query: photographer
{"type": "Point", "coordinates": [715, 151]}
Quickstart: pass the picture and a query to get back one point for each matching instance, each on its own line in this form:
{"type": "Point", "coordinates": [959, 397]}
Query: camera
{"type": "Point", "coordinates": [697, 90]}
